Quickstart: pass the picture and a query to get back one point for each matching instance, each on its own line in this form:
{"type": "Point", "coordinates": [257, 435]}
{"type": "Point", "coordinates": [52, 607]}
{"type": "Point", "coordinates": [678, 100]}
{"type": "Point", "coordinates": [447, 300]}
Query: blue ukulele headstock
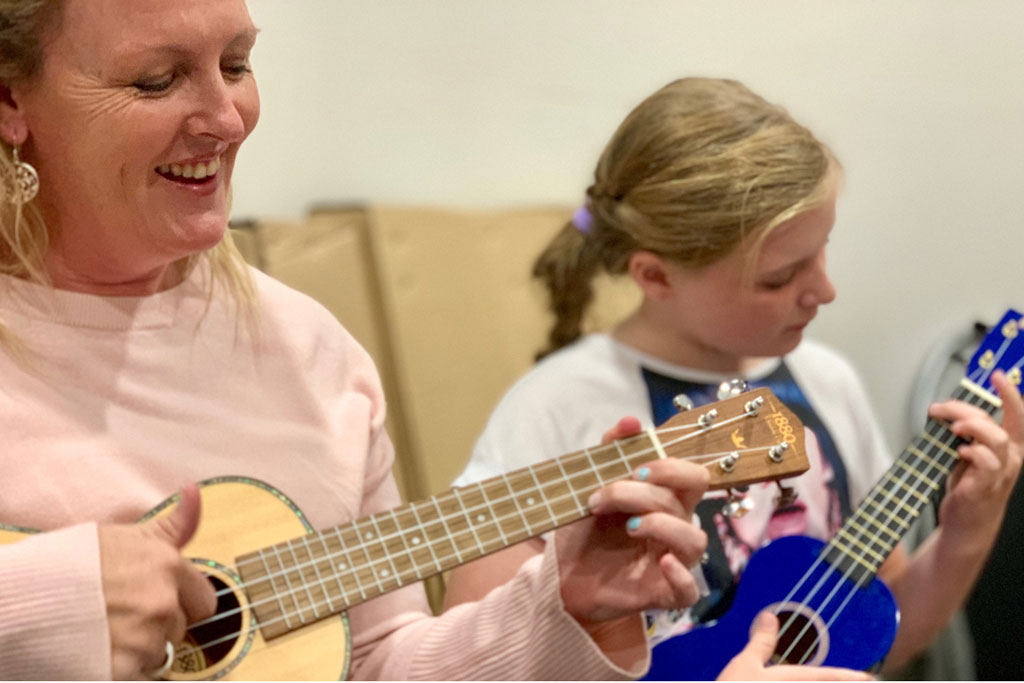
{"type": "Point", "coordinates": [1002, 349]}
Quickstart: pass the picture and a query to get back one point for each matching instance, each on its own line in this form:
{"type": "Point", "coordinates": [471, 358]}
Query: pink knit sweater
{"type": "Point", "coordinates": [120, 401]}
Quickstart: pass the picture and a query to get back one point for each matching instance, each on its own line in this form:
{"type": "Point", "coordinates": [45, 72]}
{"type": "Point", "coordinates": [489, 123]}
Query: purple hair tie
{"type": "Point", "coordinates": [583, 220]}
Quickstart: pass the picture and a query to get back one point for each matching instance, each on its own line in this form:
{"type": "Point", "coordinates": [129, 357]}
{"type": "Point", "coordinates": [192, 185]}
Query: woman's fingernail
{"type": "Point", "coordinates": [594, 500]}
{"type": "Point", "coordinates": [643, 473]}
{"type": "Point", "coordinates": [633, 524]}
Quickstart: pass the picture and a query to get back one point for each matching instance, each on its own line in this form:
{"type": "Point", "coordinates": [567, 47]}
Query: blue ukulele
{"type": "Point", "coordinates": [831, 610]}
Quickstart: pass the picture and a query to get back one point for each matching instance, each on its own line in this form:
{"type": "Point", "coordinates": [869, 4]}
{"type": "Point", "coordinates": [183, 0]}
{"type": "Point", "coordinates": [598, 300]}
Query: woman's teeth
{"type": "Point", "coordinates": [189, 171]}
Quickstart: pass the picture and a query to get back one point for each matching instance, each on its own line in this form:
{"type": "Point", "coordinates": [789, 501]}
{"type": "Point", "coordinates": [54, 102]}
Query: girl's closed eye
{"type": "Point", "coordinates": [777, 280]}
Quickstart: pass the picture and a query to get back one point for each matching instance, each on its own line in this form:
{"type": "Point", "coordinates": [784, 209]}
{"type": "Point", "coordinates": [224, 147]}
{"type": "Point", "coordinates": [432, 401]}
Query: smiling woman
{"type": "Point", "coordinates": [120, 95]}
{"type": "Point", "coordinates": [138, 355]}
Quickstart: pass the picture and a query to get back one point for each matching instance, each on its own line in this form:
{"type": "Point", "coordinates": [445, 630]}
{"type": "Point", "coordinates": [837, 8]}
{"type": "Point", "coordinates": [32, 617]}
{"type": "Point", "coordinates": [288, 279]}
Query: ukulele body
{"type": "Point", "coordinates": [839, 623]}
{"type": "Point", "coordinates": [240, 515]}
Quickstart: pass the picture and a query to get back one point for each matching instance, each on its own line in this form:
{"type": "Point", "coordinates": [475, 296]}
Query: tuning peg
{"type": "Point", "coordinates": [737, 505]}
{"type": "Point", "coordinates": [733, 387]}
{"type": "Point", "coordinates": [786, 497]}
{"type": "Point", "coordinates": [775, 453]}
{"type": "Point", "coordinates": [682, 402]}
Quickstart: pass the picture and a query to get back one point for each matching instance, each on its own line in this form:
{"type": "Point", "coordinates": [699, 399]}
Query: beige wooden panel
{"type": "Point", "coordinates": [465, 319]}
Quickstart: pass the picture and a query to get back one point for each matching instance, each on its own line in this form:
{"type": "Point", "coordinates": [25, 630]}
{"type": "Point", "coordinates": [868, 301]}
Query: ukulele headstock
{"type": "Point", "coordinates": [1001, 349]}
{"type": "Point", "coordinates": [741, 440]}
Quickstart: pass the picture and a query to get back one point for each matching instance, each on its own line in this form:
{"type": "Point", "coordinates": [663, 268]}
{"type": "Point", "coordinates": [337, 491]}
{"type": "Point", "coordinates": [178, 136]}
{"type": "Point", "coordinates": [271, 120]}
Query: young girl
{"type": "Point", "coordinates": [719, 207]}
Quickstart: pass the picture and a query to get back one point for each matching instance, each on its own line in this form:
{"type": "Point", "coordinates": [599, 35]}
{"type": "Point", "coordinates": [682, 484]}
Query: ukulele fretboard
{"type": "Point", "coordinates": [869, 535]}
{"type": "Point", "coordinates": [326, 572]}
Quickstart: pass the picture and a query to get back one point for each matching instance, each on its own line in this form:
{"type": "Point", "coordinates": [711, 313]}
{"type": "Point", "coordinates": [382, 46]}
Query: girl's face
{"type": "Point", "coordinates": [723, 317]}
{"type": "Point", "coordinates": [133, 123]}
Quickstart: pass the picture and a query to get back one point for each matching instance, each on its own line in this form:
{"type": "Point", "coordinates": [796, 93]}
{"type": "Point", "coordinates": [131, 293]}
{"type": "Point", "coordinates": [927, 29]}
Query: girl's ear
{"type": "Point", "coordinates": [13, 127]}
{"type": "Point", "coordinates": [650, 274]}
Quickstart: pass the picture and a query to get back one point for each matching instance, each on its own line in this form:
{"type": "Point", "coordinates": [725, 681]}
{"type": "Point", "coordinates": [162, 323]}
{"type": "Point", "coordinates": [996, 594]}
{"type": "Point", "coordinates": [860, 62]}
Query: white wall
{"type": "Point", "coordinates": [488, 103]}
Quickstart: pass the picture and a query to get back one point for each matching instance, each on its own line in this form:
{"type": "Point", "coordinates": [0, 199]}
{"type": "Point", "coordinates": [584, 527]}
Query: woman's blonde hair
{"type": "Point", "coordinates": [24, 238]}
{"type": "Point", "coordinates": [697, 168]}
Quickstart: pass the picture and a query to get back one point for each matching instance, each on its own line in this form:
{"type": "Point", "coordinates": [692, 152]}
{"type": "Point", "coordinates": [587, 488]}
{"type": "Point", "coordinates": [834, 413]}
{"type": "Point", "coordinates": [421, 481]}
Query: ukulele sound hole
{"type": "Point", "coordinates": [207, 644]}
{"type": "Point", "coordinates": [803, 638]}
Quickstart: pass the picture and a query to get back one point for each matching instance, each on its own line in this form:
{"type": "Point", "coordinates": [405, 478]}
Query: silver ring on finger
{"type": "Point", "coordinates": [168, 661]}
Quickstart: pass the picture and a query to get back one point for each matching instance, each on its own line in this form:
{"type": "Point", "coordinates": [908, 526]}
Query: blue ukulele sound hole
{"type": "Point", "coordinates": [803, 636]}
{"type": "Point", "coordinates": [210, 641]}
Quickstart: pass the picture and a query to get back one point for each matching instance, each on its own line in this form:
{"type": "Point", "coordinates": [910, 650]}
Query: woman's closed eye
{"type": "Point", "coordinates": [152, 86]}
{"type": "Point", "coordinates": [236, 70]}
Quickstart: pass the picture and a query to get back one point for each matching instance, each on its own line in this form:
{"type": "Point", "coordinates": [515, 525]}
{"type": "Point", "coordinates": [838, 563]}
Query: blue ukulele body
{"type": "Point", "coordinates": [834, 621]}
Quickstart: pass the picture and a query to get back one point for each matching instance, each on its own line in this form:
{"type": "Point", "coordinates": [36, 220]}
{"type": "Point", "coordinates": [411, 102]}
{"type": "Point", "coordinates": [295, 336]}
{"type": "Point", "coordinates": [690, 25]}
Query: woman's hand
{"type": "Point", "coordinates": [634, 552]}
{"type": "Point", "coordinates": [750, 664]}
{"type": "Point", "coordinates": [980, 485]}
{"type": "Point", "coordinates": [151, 591]}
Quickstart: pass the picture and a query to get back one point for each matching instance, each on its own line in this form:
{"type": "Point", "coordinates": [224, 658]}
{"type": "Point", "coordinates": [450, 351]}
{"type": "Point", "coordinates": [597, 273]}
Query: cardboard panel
{"type": "Point", "coordinates": [464, 318]}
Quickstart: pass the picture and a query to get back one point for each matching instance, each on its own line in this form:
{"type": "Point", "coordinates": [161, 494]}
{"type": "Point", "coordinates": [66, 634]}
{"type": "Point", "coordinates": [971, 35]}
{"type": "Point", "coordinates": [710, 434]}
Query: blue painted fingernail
{"type": "Point", "coordinates": [643, 473]}
{"type": "Point", "coordinates": [633, 524]}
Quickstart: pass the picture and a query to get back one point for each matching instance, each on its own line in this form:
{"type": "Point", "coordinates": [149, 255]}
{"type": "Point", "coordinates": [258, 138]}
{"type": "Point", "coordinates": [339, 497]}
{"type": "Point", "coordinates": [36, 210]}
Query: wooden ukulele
{"type": "Point", "coordinates": [832, 610]}
{"type": "Point", "coordinates": [280, 609]}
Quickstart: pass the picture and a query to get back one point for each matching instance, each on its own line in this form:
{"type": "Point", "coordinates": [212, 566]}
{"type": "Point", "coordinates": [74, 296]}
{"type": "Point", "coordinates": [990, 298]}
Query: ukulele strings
{"type": "Point", "coordinates": [718, 457]}
{"type": "Point", "coordinates": [847, 574]}
{"type": "Point", "coordinates": [971, 398]}
{"type": "Point", "coordinates": [488, 504]}
{"type": "Point", "coordinates": [851, 593]}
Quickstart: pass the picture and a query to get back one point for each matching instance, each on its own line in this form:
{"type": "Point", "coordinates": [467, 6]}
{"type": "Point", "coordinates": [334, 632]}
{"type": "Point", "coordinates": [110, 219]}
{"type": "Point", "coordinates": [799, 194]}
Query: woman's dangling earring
{"type": "Point", "coordinates": [25, 184]}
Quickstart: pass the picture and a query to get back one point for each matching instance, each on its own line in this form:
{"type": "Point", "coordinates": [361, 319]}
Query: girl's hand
{"type": "Point", "coordinates": [980, 486]}
{"type": "Point", "coordinates": [751, 663]}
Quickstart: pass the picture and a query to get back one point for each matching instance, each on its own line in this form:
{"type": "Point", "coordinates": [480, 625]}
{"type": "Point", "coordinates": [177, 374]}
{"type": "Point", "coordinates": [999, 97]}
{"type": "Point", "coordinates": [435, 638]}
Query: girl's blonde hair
{"type": "Point", "coordinates": [697, 168]}
{"type": "Point", "coordinates": [24, 238]}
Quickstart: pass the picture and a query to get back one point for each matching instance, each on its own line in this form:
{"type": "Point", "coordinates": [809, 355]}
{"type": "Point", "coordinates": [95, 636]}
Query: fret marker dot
{"type": "Point", "coordinates": [529, 501]}
{"type": "Point", "coordinates": [342, 566]}
{"type": "Point", "coordinates": [481, 518]}
{"type": "Point", "coordinates": [383, 572]}
{"type": "Point", "coordinates": [369, 536]}
{"type": "Point", "coordinates": [415, 540]}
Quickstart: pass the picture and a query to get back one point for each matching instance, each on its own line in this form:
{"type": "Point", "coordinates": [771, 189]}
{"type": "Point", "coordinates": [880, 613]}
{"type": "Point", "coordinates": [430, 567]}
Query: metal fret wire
{"type": "Point", "coordinates": [965, 395]}
{"type": "Point", "coordinates": [718, 457]}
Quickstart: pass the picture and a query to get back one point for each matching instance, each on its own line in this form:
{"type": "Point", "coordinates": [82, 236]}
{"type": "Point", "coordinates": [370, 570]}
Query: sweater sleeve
{"type": "Point", "coordinates": [53, 621]}
{"type": "Point", "coordinates": [519, 631]}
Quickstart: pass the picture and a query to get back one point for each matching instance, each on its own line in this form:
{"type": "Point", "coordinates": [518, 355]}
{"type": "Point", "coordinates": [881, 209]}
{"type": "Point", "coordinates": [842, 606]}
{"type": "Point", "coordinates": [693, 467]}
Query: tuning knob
{"type": "Point", "coordinates": [733, 387]}
{"type": "Point", "coordinates": [682, 402]}
{"type": "Point", "coordinates": [737, 505]}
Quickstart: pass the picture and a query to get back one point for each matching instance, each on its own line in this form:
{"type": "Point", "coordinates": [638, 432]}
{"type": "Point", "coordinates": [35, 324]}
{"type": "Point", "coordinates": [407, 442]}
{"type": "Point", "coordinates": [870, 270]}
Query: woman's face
{"type": "Point", "coordinates": [723, 316]}
{"type": "Point", "coordinates": [133, 124]}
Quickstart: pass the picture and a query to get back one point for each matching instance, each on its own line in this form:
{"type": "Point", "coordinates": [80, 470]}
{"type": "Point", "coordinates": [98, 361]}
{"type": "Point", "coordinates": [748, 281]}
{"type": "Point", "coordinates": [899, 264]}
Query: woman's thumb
{"type": "Point", "coordinates": [177, 528]}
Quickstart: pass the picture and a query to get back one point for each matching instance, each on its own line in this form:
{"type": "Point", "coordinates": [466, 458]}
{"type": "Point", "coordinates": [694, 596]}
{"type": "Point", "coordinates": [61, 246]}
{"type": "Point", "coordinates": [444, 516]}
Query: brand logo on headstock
{"type": "Point", "coordinates": [779, 424]}
{"type": "Point", "coordinates": [737, 439]}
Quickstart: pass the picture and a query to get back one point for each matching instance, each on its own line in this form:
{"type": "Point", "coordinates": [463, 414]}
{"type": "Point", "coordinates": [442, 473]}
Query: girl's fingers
{"type": "Point", "coordinates": [686, 541]}
{"type": "Point", "coordinates": [1013, 406]}
{"type": "Point", "coordinates": [685, 591]}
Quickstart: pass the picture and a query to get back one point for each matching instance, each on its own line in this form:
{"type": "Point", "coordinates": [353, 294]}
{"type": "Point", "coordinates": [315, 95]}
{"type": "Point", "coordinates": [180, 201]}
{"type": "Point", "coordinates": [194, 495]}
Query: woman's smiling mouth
{"type": "Point", "coordinates": [190, 173]}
